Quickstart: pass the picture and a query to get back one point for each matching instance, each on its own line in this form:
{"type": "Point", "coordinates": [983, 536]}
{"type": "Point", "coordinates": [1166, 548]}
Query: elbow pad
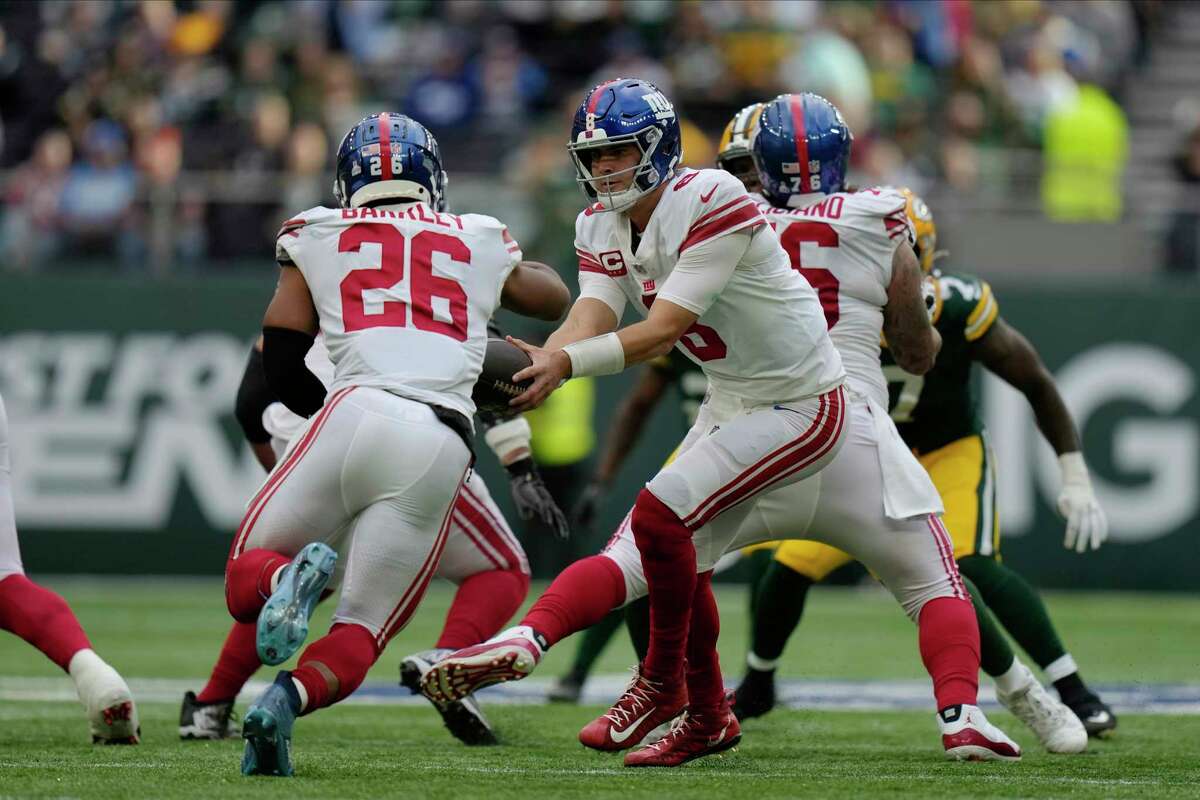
{"type": "Point", "coordinates": [288, 376]}
{"type": "Point", "coordinates": [253, 397]}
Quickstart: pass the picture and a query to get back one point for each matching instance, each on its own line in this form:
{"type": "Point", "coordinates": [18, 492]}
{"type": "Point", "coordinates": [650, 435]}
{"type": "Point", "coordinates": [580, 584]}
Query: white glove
{"type": "Point", "coordinates": [1087, 526]}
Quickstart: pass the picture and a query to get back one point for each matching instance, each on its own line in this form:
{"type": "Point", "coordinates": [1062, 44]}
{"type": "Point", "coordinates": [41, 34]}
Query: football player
{"type": "Point", "coordinates": [938, 416]}
{"type": "Point", "coordinates": [401, 294]}
{"type": "Point", "coordinates": [733, 156]}
{"type": "Point", "coordinates": [483, 558]}
{"type": "Point", "coordinates": [42, 618]}
{"type": "Point", "coordinates": [692, 251]}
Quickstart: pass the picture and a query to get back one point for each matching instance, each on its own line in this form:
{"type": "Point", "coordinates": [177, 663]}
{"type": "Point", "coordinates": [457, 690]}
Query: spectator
{"type": "Point", "coordinates": [31, 231]}
{"type": "Point", "coordinates": [1183, 236]}
{"type": "Point", "coordinates": [96, 208]}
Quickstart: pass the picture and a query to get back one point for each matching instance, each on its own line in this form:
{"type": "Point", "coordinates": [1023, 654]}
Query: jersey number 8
{"type": "Point", "coordinates": [423, 286]}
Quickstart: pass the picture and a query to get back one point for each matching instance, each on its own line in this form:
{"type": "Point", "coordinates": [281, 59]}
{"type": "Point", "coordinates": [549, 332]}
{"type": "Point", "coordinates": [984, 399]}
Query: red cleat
{"type": "Point", "coordinates": [644, 706]}
{"type": "Point", "coordinates": [690, 738]}
{"type": "Point", "coordinates": [970, 737]}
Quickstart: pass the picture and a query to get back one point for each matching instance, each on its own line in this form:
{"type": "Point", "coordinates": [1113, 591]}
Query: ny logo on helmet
{"type": "Point", "coordinates": [660, 105]}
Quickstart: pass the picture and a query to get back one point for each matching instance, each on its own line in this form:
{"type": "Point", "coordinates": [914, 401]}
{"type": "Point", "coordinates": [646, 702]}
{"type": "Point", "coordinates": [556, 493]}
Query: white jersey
{"type": "Point", "coordinates": [763, 338]}
{"type": "Point", "coordinates": [404, 295]}
{"type": "Point", "coordinates": [843, 245]}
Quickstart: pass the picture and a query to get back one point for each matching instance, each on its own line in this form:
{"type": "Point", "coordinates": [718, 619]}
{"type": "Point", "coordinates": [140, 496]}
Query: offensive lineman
{"type": "Point", "coordinates": [42, 618]}
{"type": "Point", "coordinates": [401, 294]}
{"type": "Point", "coordinates": [938, 416]}
{"type": "Point", "coordinates": [766, 337]}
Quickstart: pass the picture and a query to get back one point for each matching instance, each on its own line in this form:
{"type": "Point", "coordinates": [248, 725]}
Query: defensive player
{"type": "Point", "coordinates": [401, 294]}
{"type": "Point", "coordinates": [757, 330]}
{"type": "Point", "coordinates": [482, 558]}
{"type": "Point", "coordinates": [42, 618]}
{"type": "Point", "coordinates": [938, 416]}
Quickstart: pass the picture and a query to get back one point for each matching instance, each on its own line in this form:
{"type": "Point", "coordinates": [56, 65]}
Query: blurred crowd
{"type": "Point", "coordinates": [168, 136]}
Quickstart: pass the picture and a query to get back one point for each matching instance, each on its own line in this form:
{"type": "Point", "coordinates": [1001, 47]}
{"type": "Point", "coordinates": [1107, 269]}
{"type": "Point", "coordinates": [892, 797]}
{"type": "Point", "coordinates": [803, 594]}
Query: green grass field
{"type": "Point", "coordinates": [171, 629]}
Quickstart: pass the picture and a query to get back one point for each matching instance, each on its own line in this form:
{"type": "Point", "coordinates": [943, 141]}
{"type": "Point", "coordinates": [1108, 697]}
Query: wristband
{"type": "Point", "coordinates": [599, 355]}
{"type": "Point", "coordinates": [508, 437]}
{"type": "Point", "coordinates": [1074, 471]}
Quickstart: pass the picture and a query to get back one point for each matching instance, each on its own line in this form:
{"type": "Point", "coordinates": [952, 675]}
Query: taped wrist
{"type": "Point", "coordinates": [599, 355]}
{"type": "Point", "coordinates": [288, 376]}
{"type": "Point", "coordinates": [508, 437]}
{"type": "Point", "coordinates": [253, 397]}
{"type": "Point", "coordinates": [1073, 470]}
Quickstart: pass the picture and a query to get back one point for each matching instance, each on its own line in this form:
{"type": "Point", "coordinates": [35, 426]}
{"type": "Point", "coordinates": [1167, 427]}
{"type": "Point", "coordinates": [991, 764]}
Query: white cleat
{"type": "Point", "coordinates": [968, 736]}
{"type": "Point", "coordinates": [1056, 726]}
{"type": "Point", "coordinates": [111, 712]}
{"type": "Point", "coordinates": [508, 656]}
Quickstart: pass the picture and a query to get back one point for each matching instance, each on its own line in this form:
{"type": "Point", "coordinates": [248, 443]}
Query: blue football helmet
{"type": "Point", "coordinates": [388, 156]}
{"type": "Point", "coordinates": [801, 147]}
{"type": "Point", "coordinates": [625, 111]}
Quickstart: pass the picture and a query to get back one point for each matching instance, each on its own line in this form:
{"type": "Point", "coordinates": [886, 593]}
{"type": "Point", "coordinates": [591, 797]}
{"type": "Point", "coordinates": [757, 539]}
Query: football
{"type": "Point", "coordinates": [495, 386]}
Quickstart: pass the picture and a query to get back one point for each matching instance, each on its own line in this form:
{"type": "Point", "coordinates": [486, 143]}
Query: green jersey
{"type": "Point", "coordinates": [939, 407]}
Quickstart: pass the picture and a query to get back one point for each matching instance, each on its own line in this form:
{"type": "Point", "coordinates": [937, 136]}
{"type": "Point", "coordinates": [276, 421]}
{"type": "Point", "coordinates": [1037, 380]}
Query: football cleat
{"type": "Point", "coordinates": [1056, 727]}
{"type": "Point", "coordinates": [691, 737]}
{"type": "Point", "coordinates": [112, 715]}
{"type": "Point", "coordinates": [206, 720]}
{"type": "Point", "coordinates": [1097, 717]}
{"type": "Point", "coordinates": [283, 621]}
{"type": "Point", "coordinates": [643, 706]}
{"type": "Point", "coordinates": [267, 730]}
{"type": "Point", "coordinates": [463, 718]}
{"type": "Point", "coordinates": [756, 694]}
{"type": "Point", "coordinates": [968, 736]}
{"type": "Point", "coordinates": [508, 656]}
{"type": "Point", "coordinates": [565, 690]}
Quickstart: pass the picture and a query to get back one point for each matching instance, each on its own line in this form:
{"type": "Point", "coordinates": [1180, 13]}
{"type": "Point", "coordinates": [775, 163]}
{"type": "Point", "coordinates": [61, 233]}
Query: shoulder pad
{"type": "Point", "coordinates": [967, 301]}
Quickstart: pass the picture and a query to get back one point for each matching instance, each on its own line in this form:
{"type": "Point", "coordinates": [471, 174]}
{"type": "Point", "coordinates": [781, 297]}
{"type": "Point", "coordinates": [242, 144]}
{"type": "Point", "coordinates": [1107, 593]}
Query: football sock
{"type": "Point", "coordinates": [669, 561]}
{"type": "Point", "coordinates": [949, 640]}
{"type": "Point", "coordinates": [249, 581]}
{"type": "Point", "coordinates": [334, 666]}
{"type": "Point", "coordinates": [594, 640]}
{"type": "Point", "coordinates": [1017, 606]}
{"type": "Point", "coordinates": [1012, 679]}
{"type": "Point", "coordinates": [582, 595]}
{"type": "Point", "coordinates": [757, 563]}
{"type": "Point", "coordinates": [235, 665]}
{"type": "Point", "coordinates": [42, 618]}
{"type": "Point", "coordinates": [781, 596]}
{"type": "Point", "coordinates": [1064, 674]}
{"type": "Point", "coordinates": [996, 654]}
{"type": "Point", "coordinates": [706, 690]}
{"type": "Point", "coordinates": [482, 604]}
{"type": "Point", "coordinates": [637, 617]}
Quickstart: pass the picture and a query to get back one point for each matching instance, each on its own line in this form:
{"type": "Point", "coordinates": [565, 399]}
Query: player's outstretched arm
{"type": "Point", "coordinates": [623, 433]}
{"type": "Point", "coordinates": [1008, 354]}
{"type": "Point", "coordinates": [910, 335]}
{"type": "Point", "coordinates": [535, 290]}
{"type": "Point", "coordinates": [289, 327]}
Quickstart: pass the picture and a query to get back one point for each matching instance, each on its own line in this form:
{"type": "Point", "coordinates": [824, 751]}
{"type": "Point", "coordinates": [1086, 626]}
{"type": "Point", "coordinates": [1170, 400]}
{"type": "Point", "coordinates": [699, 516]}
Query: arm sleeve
{"type": "Point", "coordinates": [702, 271]}
{"type": "Point", "coordinates": [287, 374]}
{"type": "Point", "coordinates": [253, 397]}
{"type": "Point", "coordinates": [604, 289]}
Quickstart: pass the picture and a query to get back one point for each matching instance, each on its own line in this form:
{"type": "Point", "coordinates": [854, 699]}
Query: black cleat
{"type": "Point", "coordinates": [463, 718]}
{"type": "Point", "coordinates": [1095, 715]}
{"type": "Point", "coordinates": [755, 696]}
{"type": "Point", "coordinates": [206, 720]}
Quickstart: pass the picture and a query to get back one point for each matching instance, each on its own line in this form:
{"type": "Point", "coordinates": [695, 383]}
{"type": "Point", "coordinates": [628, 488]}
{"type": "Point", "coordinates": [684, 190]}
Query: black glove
{"type": "Point", "coordinates": [588, 506]}
{"type": "Point", "coordinates": [533, 499]}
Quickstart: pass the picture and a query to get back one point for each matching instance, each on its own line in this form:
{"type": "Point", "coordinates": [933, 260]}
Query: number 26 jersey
{"type": "Point", "coordinates": [403, 294]}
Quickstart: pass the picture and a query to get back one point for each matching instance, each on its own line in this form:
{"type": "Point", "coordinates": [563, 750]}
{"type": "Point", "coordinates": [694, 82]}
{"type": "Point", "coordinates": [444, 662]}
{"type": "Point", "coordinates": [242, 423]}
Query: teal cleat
{"type": "Point", "coordinates": [283, 621]}
{"type": "Point", "coordinates": [267, 729]}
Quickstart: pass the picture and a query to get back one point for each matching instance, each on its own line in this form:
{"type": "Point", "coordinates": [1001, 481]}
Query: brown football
{"type": "Point", "coordinates": [495, 386]}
